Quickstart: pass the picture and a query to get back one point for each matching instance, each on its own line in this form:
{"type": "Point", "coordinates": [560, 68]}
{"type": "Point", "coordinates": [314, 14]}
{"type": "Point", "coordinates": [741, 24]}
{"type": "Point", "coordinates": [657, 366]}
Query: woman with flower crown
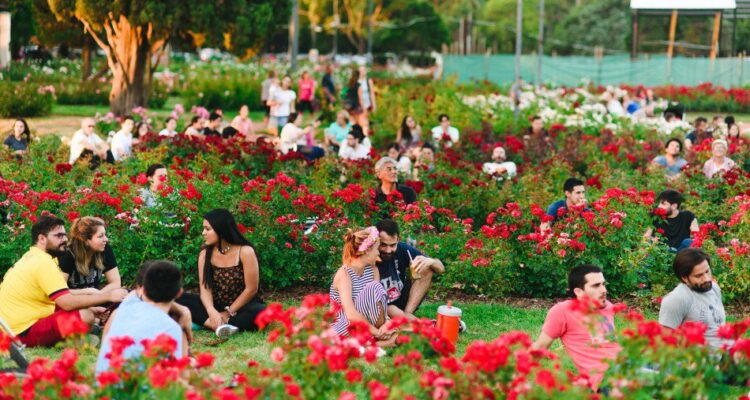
{"type": "Point", "coordinates": [356, 287]}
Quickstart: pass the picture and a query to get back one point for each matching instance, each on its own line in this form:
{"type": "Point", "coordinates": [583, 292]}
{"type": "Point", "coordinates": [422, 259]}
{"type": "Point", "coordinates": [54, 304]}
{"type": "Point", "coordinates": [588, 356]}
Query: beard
{"type": "Point", "coordinates": [701, 288]}
{"type": "Point", "coordinates": [57, 251]}
{"type": "Point", "coordinates": [386, 256]}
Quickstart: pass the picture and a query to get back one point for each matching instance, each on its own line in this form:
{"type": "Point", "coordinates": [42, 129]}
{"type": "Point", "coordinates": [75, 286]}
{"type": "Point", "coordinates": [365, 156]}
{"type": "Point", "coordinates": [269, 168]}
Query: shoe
{"type": "Point", "coordinates": [461, 326]}
{"type": "Point", "coordinates": [226, 330]}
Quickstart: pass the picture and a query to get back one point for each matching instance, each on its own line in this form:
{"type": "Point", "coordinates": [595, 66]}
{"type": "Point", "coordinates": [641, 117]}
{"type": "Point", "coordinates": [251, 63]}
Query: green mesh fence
{"type": "Point", "coordinates": [609, 70]}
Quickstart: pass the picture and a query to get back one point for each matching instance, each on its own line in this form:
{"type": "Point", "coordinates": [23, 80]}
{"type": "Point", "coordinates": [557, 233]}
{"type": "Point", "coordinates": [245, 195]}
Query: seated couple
{"type": "Point", "coordinates": [372, 291]}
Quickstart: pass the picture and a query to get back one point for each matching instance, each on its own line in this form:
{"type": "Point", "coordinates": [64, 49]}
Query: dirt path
{"type": "Point", "coordinates": [57, 125]}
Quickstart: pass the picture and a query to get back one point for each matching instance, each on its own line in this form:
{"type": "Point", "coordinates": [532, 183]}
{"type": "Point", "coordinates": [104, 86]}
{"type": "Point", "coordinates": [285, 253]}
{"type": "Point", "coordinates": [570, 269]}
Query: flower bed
{"type": "Point", "coordinates": [308, 360]}
{"type": "Point", "coordinates": [484, 230]}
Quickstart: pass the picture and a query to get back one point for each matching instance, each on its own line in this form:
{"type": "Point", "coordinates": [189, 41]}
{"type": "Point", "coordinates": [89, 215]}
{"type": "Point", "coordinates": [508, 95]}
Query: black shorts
{"type": "Point", "coordinates": [267, 108]}
{"type": "Point", "coordinates": [305, 105]}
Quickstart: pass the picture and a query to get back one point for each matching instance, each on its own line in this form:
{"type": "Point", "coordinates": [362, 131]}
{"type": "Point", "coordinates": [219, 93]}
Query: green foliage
{"type": "Point", "coordinates": [25, 100]}
{"type": "Point", "coordinates": [415, 26]}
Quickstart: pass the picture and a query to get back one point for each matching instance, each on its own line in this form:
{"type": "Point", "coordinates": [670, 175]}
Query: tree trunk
{"type": "Point", "coordinates": [86, 58]}
{"type": "Point", "coordinates": [129, 50]}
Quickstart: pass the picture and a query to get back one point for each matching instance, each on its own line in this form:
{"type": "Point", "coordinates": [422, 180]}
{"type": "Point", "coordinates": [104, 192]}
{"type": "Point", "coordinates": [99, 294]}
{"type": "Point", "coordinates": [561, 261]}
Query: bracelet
{"type": "Point", "coordinates": [231, 313]}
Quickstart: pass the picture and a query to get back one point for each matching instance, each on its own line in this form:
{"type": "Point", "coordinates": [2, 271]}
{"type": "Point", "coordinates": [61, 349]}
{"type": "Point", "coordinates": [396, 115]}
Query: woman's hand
{"type": "Point", "coordinates": [214, 319]}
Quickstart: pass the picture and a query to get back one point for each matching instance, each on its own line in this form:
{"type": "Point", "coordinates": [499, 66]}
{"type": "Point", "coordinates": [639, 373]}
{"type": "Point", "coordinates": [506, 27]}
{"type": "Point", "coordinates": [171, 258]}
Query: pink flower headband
{"type": "Point", "coordinates": [370, 240]}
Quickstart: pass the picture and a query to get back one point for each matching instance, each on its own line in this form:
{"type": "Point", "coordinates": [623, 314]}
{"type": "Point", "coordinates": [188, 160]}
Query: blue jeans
{"type": "Point", "coordinates": [683, 245]}
{"type": "Point", "coordinates": [281, 121]}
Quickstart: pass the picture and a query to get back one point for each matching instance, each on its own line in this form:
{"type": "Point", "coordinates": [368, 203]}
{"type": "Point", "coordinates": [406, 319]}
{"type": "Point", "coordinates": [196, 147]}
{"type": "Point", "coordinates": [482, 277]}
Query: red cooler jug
{"type": "Point", "coordinates": [449, 321]}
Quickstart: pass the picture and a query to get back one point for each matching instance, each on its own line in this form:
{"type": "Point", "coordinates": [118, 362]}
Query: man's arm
{"type": "Point", "coordinates": [71, 301]}
{"type": "Point", "coordinates": [694, 227]}
{"type": "Point", "coordinates": [542, 342]}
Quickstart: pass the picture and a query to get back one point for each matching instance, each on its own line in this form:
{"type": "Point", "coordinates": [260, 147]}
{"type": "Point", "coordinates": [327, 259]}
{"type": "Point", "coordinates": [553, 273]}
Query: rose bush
{"type": "Point", "coordinates": [308, 360]}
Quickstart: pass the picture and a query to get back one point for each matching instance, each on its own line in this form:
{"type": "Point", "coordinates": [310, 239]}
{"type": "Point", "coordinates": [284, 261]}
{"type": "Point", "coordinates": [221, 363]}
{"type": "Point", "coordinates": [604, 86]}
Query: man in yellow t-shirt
{"type": "Point", "coordinates": [34, 298]}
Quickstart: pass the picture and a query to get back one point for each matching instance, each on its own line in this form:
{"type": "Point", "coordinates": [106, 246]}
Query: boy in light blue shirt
{"type": "Point", "coordinates": [145, 315]}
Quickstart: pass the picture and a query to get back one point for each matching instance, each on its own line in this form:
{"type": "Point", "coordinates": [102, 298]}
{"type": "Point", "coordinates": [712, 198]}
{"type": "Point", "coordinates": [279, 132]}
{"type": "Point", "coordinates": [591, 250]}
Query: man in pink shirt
{"type": "Point", "coordinates": [584, 336]}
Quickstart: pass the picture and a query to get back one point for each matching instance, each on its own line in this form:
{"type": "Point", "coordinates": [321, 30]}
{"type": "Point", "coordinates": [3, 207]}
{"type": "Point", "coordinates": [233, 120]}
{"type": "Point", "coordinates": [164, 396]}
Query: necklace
{"type": "Point", "coordinates": [224, 250]}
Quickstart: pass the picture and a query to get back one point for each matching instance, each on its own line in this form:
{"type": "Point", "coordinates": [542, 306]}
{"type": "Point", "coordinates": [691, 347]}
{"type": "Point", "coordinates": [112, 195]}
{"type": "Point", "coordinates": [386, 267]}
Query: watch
{"type": "Point", "coordinates": [231, 313]}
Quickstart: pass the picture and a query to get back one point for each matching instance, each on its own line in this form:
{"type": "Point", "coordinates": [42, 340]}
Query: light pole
{"type": "Point", "coordinates": [335, 28]}
{"type": "Point", "coordinates": [369, 31]}
{"type": "Point", "coordinates": [519, 26]}
{"type": "Point", "coordinates": [4, 35]}
{"type": "Point", "coordinates": [540, 44]}
{"type": "Point", "coordinates": [294, 33]}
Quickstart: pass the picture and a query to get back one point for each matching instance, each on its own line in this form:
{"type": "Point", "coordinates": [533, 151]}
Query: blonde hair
{"type": "Point", "coordinates": [352, 241]}
{"type": "Point", "coordinates": [83, 229]}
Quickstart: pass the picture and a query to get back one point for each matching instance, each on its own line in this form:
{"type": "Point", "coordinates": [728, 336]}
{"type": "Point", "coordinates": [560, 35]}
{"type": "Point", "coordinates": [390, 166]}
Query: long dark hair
{"type": "Point", "coordinates": [354, 80]}
{"type": "Point", "coordinates": [405, 131]}
{"type": "Point", "coordinates": [222, 222]}
{"type": "Point", "coordinates": [26, 131]}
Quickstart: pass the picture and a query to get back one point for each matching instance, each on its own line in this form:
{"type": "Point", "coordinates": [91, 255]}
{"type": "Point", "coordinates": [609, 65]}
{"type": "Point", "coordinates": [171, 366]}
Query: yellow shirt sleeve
{"type": "Point", "coordinates": [50, 278]}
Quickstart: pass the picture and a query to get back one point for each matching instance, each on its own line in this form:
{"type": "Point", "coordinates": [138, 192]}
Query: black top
{"type": "Point", "coordinates": [211, 132]}
{"type": "Point", "coordinates": [693, 136]}
{"type": "Point", "coordinates": [676, 229]}
{"type": "Point", "coordinates": [409, 195]}
{"type": "Point", "coordinates": [328, 84]}
{"type": "Point", "coordinates": [15, 144]}
{"type": "Point", "coordinates": [394, 274]}
{"type": "Point", "coordinates": [93, 280]}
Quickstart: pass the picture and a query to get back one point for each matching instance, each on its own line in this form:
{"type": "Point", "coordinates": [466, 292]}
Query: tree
{"type": "Point", "coordinates": [357, 20]}
{"type": "Point", "coordinates": [412, 25]}
{"type": "Point", "coordinates": [604, 23]}
{"type": "Point", "coordinates": [133, 33]}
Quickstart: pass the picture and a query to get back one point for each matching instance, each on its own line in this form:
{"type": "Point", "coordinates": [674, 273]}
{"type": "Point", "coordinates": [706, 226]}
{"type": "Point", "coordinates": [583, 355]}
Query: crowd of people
{"type": "Point", "coordinates": [75, 275]}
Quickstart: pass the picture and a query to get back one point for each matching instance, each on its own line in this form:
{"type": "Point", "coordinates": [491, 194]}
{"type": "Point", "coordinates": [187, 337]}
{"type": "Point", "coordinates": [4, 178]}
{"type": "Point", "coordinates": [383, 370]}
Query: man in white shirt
{"type": "Point", "coordinates": [122, 142]}
{"type": "Point", "coordinates": [445, 133]}
{"type": "Point", "coordinates": [86, 142]}
{"type": "Point", "coordinates": [500, 168]}
{"type": "Point", "coordinates": [356, 146]}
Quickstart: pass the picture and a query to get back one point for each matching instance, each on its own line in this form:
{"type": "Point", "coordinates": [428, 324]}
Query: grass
{"type": "Point", "coordinates": [485, 321]}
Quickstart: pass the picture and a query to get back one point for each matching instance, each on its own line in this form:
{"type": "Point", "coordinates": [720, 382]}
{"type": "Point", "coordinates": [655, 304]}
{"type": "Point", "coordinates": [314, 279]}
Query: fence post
{"type": "Point", "coordinates": [598, 54]}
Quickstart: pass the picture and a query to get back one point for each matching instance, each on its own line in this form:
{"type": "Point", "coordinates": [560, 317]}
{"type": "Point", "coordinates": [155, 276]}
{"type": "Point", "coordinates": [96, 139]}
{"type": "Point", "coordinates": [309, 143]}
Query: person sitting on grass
{"type": "Point", "coordinates": [356, 146]}
{"type": "Point", "coordinates": [719, 162]}
{"type": "Point", "coordinates": [671, 159]}
{"type": "Point", "coordinates": [499, 167]}
{"type": "Point", "coordinates": [87, 144]}
{"type": "Point", "coordinates": [696, 298]}
{"type": "Point", "coordinates": [396, 152]}
{"type": "Point", "coordinates": [356, 287]}
{"type": "Point", "coordinates": [444, 133]}
{"type": "Point", "coordinates": [575, 199]}
{"type": "Point", "coordinates": [294, 138]}
{"type": "Point", "coordinates": [586, 343]}
{"type": "Point", "coordinates": [89, 258]}
{"type": "Point", "coordinates": [157, 178]}
{"type": "Point", "coordinates": [213, 128]}
{"type": "Point", "coordinates": [699, 134]}
{"type": "Point", "coordinates": [676, 225]}
{"type": "Point", "coordinates": [146, 315]}
{"type": "Point", "coordinates": [122, 141]}
{"type": "Point", "coordinates": [229, 278]}
{"type": "Point", "coordinates": [34, 297]}
{"type": "Point", "coordinates": [18, 140]}
{"type": "Point", "coordinates": [405, 273]}
{"type": "Point", "coordinates": [170, 130]}
{"type": "Point", "coordinates": [386, 169]}
{"type": "Point", "coordinates": [195, 129]}
{"type": "Point", "coordinates": [425, 161]}
{"type": "Point", "coordinates": [336, 133]}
